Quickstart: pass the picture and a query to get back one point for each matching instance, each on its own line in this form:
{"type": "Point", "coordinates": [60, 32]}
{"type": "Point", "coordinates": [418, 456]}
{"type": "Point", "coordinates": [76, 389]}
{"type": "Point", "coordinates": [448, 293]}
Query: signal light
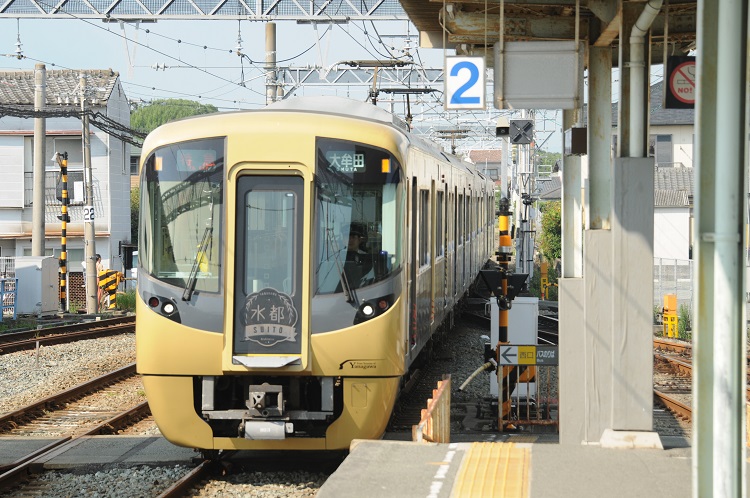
{"type": "Point", "coordinates": [383, 304]}
{"type": "Point", "coordinates": [153, 301]}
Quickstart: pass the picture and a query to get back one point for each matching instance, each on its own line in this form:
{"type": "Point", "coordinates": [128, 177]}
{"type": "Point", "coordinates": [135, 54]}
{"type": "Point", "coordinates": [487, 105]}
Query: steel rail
{"type": "Point", "coordinates": [181, 487]}
{"type": "Point", "coordinates": [10, 474]}
{"type": "Point", "coordinates": [675, 406]}
{"type": "Point", "coordinates": [28, 411]}
{"type": "Point", "coordinates": [681, 347]}
{"type": "Point", "coordinates": [64, 329]}
{"type": "Point", "coordinates": [59, 338]}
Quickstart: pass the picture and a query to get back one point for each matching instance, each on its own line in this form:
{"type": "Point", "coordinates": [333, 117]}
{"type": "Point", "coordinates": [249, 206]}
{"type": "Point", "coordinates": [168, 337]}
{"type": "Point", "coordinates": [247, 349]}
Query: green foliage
{"type": "Point", "coordinates": [158, 112]}
{"type": "Point", "coordinates": [545, 157]}
{"type": "Point", "coordinates": [135, 200]}
{"type": "Point", "coordinates": [684, 325]}
{"type": "Point", "coordinates": [126, 300]}
{"type": "Point", "coordinates": [550, 240]}
{"type": "Point", "coordinates": [535, 283]}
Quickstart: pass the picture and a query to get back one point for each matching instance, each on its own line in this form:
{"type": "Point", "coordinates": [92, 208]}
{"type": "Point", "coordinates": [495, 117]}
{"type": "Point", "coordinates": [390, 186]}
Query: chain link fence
{"type": "Point", "coordinates": [673, 276]}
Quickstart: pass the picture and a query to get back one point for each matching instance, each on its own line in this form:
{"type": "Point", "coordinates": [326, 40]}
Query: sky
{"type": "Point", "coordinates": [197, 60]}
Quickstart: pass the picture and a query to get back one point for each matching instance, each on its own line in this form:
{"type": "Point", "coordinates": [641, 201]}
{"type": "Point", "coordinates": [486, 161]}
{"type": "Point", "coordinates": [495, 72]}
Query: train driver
{"type": "Point", "coordinates": [357, 239]}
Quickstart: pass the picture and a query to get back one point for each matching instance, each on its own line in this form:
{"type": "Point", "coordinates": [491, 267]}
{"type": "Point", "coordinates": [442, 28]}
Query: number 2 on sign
{"type": "Point", "coordinates": [458, 97]}
{"type": "Point", "coordinates": [88, 213]}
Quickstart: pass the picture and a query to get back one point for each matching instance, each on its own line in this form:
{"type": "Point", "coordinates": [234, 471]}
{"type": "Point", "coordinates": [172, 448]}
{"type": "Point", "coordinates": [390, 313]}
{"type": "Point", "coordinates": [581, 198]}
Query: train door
{"type": "Point", "coordinates": [470, 242]}
{"type": "Point", "coordinates": [413, 267]}
{"type": "Point", "coordinates": [460, 245]}
{"type": "Point", "coordinates": [442, 284]}
{"type": "Point", "coordinates": [424, 270]}
{"type": "Point", "coordinates": [432, 251]}
{"type": "Point", "coordinates": [454, 231]}
{"type": "Point", "coordinates": [268, 270]}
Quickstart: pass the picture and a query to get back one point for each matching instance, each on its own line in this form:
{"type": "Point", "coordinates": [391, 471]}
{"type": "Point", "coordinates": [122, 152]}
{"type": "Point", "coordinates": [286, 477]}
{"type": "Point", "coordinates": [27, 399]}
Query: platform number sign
{"type": "Point", "coordinates": [465, 83]}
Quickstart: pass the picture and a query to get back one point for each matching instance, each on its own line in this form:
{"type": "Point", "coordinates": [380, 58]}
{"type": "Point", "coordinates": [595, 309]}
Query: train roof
{"type": "Point", "coordinates": [349, 107]}
{"type": "Point", "coordinates": [340, 106]}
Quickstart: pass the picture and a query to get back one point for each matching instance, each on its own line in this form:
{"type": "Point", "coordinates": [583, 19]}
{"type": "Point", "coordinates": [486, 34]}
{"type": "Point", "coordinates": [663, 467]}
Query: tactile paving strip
{"type": "Point", "coordinates": [499, 470]}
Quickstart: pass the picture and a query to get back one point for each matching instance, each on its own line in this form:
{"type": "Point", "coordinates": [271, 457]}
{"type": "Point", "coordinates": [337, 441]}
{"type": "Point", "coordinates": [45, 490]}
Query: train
{"type": "Point", "coordinates": [293, 263]}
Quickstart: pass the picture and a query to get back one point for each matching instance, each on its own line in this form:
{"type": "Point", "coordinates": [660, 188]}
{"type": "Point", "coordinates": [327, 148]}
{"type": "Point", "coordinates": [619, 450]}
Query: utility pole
{"type": "Point", "coordinates": [92, 303]}
{"type": "Point", "coordinates": [271, 90]}
{"type": "Point", "coordinates": [40, 152]}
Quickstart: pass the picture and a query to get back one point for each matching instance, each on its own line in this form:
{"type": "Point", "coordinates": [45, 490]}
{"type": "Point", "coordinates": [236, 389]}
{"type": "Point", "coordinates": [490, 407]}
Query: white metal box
{"type": "Point", "coordinates": [38, 285]}
{"type": "Point", "coordinates": [523, 322]}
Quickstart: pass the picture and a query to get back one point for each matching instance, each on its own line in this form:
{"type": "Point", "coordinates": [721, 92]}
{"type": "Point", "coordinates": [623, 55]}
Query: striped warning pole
{"type": "Point", "coordinates": [62, 160]}
{"type": "Point", "coordinates": [507, 375]}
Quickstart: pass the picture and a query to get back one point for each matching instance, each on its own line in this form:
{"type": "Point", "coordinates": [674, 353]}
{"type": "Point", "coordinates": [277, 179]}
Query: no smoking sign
{"type": "Point", "coordinates": [681, 80]}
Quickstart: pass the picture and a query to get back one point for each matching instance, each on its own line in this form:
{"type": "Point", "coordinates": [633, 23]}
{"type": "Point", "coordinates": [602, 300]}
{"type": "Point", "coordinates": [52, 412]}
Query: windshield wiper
{"type": "Point", "coordinates": [348, 291]}
{"type": "Point", "coordinates": [190, 287]}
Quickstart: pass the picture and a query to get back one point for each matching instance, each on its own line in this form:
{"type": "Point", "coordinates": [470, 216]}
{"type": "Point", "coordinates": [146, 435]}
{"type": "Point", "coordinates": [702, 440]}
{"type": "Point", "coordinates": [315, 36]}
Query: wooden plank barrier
{"type": "Point", "coordinates": [435, 425]}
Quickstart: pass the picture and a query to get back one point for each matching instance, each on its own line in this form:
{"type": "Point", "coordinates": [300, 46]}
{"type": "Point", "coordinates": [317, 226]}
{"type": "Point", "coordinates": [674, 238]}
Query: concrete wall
{"type": "Point", "coordinates": [672, 233]}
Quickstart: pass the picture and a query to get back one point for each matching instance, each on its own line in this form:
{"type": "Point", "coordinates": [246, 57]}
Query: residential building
{"type": "Point", "coordinates": [110, 163]}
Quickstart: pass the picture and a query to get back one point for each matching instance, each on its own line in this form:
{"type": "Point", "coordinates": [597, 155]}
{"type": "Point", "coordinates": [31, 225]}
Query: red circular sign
{"type": "Point", "coordinates": [682, 82]}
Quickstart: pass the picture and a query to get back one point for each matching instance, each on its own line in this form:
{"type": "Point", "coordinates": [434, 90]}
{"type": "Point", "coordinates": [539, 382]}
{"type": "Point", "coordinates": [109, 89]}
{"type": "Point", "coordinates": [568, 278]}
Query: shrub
{"type": "Point", "coordinates": [684, 325]}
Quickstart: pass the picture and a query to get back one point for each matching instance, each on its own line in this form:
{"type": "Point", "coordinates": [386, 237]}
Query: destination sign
{"type": "Point", "coordinates": [528, 355]}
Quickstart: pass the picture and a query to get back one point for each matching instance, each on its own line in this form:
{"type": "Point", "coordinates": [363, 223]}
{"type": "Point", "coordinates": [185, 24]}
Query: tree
{"type": "Point", "coordinates": [135, 200]}
{"type": "Point", "coordinates": [158, 112]}
{"type": "Point", "coordinates": [550, 240]}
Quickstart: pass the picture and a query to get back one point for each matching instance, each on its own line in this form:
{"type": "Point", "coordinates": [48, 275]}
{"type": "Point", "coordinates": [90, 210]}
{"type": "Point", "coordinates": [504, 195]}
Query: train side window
{"type": "Point", "coordinates": [460, 220]}
{"type": "Point", "coordinates": [439, 230]}
{"type": "Point", "coordinates": [424, 227]}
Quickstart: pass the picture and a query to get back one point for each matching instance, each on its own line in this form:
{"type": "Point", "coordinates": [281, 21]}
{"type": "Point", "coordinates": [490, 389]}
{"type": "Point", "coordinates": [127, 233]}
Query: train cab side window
{"type": "Point", "coordinates": [182, 196]}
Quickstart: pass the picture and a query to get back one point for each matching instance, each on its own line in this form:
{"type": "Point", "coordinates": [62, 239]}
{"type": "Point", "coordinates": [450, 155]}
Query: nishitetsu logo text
{"type": "Point", "coordinates": [269, 318]}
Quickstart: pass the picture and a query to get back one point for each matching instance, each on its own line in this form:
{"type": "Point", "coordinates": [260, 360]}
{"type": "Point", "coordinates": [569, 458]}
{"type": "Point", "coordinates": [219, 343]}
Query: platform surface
{"type": "Point", "coordinates": [393, 468]}
{"type": "Point", "coordinates": [524, 467]}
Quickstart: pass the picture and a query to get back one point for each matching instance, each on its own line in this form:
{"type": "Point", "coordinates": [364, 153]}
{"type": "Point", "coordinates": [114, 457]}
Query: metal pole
{"type": "Point", "coordinates": [719, 452]}
{"type": "Point", "coordinates": [62, 159]}
{"type": "Point", "coordinates": [92, 303]}
{"type": "Point", "coordinates": [40, 152]}
{"type": "Point", "coordinates": [270, 63]}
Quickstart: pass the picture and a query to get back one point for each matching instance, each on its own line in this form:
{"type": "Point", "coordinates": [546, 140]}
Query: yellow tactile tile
{"type": "Point", "coordinates": [497, 470]}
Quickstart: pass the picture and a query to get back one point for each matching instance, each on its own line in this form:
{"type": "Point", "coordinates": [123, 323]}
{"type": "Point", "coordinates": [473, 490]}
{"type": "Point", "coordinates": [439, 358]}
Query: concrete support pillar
{"type": "Point", "coordinates": [572, 372]}
{"type": "Point", "coordinates": [632, 302]}
{"type": "Point", "coordinates": [572, 207]}
{"type": "Point", "coordinates": [598, 194]}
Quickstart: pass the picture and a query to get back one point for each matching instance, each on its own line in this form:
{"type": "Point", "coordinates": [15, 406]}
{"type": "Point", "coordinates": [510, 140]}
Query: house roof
{"type": "Point", "coordinates": [489, 156]}
{"type": "Point", "coordinates": [551, 189]}
{"type": "Point", "coordinates": [671, 198]}
{"type": "Point", "coordinates": [17, 87]}
{"type": "Point", "coordinates": [673, 187]}
{"type": "Point", "coordinates": [674, 178]}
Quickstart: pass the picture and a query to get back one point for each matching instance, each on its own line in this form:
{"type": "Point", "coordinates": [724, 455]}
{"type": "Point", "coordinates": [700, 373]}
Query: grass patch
{"type": "Point", "coordinates": [126, 300]}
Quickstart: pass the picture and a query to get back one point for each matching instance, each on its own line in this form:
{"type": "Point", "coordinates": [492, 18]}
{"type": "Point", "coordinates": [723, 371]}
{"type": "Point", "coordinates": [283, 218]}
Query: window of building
{"type": "Point", "coordinates": [660, 148]}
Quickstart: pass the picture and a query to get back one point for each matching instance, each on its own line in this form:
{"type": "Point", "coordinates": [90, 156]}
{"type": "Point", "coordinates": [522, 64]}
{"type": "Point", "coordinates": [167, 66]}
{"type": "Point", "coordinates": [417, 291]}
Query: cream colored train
{"type": "Point", "coordinates": [294, 261]}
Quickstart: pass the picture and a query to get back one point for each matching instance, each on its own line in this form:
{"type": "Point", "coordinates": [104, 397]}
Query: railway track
{"type": "Point", "coordinates": [71, 414]}
{"type": "Point", "coordinates": [83, 410]}
{"type": "Point", "coordinates": [30, 339]}
{"type": "Point", "coordinates": [677, 396]}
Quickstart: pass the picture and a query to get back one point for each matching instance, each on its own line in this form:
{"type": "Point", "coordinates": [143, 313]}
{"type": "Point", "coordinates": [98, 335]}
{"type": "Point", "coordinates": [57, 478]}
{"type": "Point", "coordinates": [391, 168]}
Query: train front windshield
{"type": "Point", "coordinates": [182, 193]}
{"type": "Point", "coordinates": [359, 199]}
